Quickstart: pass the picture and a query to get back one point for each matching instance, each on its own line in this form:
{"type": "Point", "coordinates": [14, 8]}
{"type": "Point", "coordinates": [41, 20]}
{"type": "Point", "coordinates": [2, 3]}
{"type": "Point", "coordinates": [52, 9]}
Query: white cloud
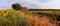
{"type": "Point", "coordinates": [30, 3]}
{"type": "Point", "coordinates": [50, 4]}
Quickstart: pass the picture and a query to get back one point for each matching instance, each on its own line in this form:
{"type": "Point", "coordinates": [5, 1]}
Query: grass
{"type": "Point", "coordinates": [20, 18]}
{"type": "Point", "coordinates": [52, 14]}
{"type": "Point", "coordinates": [12, 18]}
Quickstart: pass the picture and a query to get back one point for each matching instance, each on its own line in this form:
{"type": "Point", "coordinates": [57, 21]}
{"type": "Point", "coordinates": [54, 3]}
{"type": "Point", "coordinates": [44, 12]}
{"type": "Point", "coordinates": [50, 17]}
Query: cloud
{"type": "Point", "coordinates": [44, 4]}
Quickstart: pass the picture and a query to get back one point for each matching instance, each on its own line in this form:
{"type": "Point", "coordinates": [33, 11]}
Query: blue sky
{"type": "Point", "coordinates": [33, 4]}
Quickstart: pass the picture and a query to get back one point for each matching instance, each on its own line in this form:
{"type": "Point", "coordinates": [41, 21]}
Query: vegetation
{"type": "Point", "coordinates": [16, 6]}
{"type": "Point", "coordinates": [49, 13]}
{"type": "Point", "coordinates": [18, 18]}
{"type": "Point", "coordinates": [14, 18]}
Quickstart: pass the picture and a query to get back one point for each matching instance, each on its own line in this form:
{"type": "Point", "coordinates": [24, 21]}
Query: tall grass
{"type": "Point", "coordinates": [13, 18]}
{"type": "Point", "coordinates": [19, 18]}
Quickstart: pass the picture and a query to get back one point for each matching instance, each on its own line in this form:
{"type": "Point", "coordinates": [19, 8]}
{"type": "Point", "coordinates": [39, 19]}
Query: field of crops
{"type": "Point", "coordinates": [21, 18]}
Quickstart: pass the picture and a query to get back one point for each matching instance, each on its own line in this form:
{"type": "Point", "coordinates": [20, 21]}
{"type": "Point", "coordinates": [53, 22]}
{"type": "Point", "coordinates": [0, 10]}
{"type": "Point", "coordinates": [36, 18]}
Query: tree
{"type": "Point", "coordinates": [16, 6]}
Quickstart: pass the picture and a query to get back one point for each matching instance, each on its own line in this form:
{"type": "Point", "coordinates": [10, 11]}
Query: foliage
{"type": "Point", "coordinates": [13, 18]}
{"type": "Point", "coordinates": [16, 6]}
{"type": "Point", "coordinates": [50, 14]}
{"type": "Point", "coordinates": [17, 18]}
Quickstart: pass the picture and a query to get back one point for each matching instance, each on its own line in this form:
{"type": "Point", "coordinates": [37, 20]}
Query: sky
{"type": "Point", "coordinates": [31, 4]}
